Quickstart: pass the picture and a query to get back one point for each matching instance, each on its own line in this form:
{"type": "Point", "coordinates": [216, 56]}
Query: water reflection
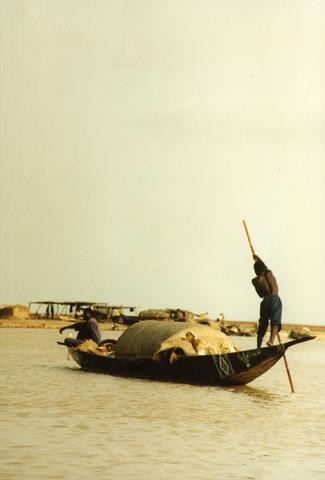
{"type": "Point", "coordinates": [259, 394]}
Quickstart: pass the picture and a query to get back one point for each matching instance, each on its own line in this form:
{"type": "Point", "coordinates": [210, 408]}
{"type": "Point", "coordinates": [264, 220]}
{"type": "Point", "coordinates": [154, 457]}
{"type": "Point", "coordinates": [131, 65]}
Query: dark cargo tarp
{"type": "Point", "coordinates": [147, 338]}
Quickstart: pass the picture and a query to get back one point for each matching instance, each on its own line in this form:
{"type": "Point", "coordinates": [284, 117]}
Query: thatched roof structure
{"type": "Point", "coordinates": [14, 311]}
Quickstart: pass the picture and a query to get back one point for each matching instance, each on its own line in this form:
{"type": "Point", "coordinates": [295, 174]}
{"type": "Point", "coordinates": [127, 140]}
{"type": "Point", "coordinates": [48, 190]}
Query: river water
{"type": "Point", "coordinates": [58, 422]}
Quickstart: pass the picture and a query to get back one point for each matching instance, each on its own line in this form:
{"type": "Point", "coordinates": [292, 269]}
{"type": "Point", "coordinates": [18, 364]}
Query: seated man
{"type": "Point", "coordinates": [88, 329]}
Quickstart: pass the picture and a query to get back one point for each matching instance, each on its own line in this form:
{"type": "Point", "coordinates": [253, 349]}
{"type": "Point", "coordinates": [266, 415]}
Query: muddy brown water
{"type": "Point", "coordinates": [58, 422]}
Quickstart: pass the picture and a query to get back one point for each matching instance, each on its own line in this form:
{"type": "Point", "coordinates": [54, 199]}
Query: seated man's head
{"type": "Point", "coordinates": [88, 313]}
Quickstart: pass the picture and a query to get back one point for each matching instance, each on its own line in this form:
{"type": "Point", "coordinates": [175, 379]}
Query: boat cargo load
{"type": "Point", "coordinates": [147, 339]}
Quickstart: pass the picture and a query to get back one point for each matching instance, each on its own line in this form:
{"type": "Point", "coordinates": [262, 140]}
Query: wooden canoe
{"type": "Point", "coordinates": [174, 363]}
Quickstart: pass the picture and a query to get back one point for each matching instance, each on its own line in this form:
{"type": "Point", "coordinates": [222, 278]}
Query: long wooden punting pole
{"type": "Point", "coordinates": [286, 364]}
{"type": "Point", "coordinates": [248, 238]}
{"type": "Point", "coordinates": [279, 339]}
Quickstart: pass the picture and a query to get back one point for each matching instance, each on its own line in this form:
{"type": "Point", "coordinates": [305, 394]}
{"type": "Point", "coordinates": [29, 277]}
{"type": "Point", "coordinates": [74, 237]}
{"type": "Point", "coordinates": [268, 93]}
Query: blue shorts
{"type": "Point", "coordinates": [270, 310]}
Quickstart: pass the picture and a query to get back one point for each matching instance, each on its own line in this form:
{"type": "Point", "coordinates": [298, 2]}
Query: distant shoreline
{"type": "Point", "coordinates": [317, 330]}
{"type": "Point", "coordinates": [50, 323]}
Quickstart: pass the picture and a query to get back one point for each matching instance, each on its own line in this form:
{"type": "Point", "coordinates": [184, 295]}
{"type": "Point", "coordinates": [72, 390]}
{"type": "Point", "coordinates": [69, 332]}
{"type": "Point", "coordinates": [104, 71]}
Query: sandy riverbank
{"type": "Point", "coordinates": [58, 323]}
{"type": "Point", "coordinates": [49, 323]}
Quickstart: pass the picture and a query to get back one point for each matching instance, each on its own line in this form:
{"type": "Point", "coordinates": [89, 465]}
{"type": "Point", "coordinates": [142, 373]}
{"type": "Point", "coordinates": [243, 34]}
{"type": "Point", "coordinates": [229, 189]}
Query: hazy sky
{"type": "Point", "coordinates": [137, 134]}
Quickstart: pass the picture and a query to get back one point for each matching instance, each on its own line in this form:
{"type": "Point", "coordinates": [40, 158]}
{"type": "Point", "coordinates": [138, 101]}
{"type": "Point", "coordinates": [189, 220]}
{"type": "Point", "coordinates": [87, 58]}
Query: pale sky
{"type": "Point", "coordinates": [137, 134]}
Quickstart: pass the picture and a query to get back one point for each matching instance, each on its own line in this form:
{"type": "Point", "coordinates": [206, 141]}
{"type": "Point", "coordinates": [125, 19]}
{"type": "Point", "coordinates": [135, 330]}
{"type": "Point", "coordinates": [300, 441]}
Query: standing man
{"type": "Point", "coordinates": [271, 306]}
{"type": "Point", "coordinates": [88, 329]}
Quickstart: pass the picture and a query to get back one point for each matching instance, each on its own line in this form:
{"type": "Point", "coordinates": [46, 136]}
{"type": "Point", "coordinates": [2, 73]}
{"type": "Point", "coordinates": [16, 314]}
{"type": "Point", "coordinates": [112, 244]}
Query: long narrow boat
{"type": "Point", "coordinates": [162, 351]}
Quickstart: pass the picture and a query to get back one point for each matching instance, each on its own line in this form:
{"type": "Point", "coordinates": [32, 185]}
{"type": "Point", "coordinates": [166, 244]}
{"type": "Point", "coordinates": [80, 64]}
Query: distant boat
{"type": "Point", "coordinates": [161, 351]}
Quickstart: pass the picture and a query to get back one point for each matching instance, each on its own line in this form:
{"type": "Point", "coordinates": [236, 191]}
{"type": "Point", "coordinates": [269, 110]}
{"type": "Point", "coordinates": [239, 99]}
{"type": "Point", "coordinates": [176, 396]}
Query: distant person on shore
{"type": "Point", "coordinates": [271, 306]}
{"type": "Point", "coordinates": [180, 315]}
{"type": "Point", "coordinates": [50, 308]}
{"type": "Point", "coordinates": [88, 329]}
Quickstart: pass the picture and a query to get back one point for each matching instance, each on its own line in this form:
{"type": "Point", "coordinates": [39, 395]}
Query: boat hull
{"type": "Point", "coordinates": [238, 368]}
